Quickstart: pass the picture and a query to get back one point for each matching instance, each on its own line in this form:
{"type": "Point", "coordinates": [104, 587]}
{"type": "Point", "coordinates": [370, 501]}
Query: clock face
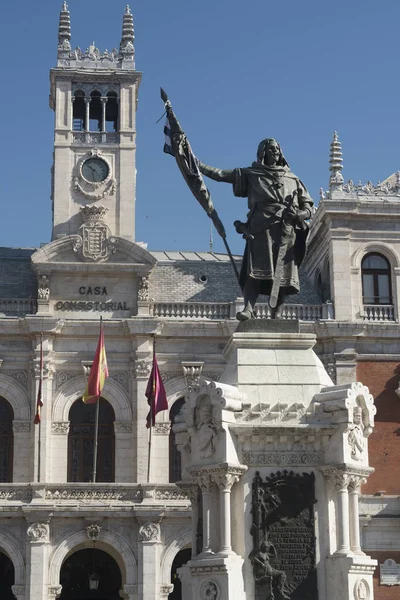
{"type": "Point", "coordinates": [95, 170]}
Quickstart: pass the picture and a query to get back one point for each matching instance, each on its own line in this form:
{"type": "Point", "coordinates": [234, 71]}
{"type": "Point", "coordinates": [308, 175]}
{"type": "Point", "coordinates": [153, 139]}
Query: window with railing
{"type": "Point", "coordinates": [81, 442]}
{"type": "Point", "coordinates": [376, 280]}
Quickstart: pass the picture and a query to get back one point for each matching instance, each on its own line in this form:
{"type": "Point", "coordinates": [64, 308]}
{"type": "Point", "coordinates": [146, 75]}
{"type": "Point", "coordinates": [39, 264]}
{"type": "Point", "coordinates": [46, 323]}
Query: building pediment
{"type": "Point", "coordinates": [74, 253]}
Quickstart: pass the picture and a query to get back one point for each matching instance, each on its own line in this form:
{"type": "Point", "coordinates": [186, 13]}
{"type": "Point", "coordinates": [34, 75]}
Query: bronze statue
{"type": "Point", "coordinates": [275, 230]}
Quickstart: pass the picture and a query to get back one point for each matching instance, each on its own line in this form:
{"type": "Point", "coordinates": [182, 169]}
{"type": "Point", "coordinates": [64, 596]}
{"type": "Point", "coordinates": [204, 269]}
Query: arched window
{"type": "Point", "coordinates": [78, 111]}
{"type": "Point", "coordinates": [95, 112]}
{"type": "Point", "coordinates": [376, 284]}
{"type": "Point", "coordinates": [81, 567]}
{"type": "Point", "coordinates": [81, 442]}
{"type": "Point", "coordinates": [112, 112]}
{"type": "Point", "coordinates": [175, 467]}
{"type": "Point", "coordinates": [180, 559]}
{"type": "Point", "coordinates": [6, 441]}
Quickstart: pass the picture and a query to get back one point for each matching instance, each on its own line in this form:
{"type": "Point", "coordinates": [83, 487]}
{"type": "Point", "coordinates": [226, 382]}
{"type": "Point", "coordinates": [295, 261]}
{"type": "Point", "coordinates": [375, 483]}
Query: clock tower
{"type": "Point", "coordinates": [94, 97]}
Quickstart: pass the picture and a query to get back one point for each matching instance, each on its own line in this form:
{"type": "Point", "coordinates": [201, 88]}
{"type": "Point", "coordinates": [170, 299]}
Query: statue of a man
{"type": "Point", "coordinates": [279, 205]}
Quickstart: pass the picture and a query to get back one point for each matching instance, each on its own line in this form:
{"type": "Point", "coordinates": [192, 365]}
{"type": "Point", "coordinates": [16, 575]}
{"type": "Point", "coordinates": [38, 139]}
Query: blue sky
{"type": "Point", "coordinates": [236, 72]}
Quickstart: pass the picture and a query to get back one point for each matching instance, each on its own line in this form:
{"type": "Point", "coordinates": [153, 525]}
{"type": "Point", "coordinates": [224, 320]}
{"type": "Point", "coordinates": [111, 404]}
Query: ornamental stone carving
{"type": "Point", "coordinates": [166, 589]}
{"type": "Point", "coordinates": [282, 459]}
{"type": "Point", "coordinates": [93, 532]}
{"type": "Point", "coordinates": [48, 370]}
{"type": "Point", "coordinates": [62, 377]}
{"type": "Point", "coordinates": [121, 377]}
{"type": "Point", "coordinates": [94, 241]}
{"type": "Point", "coordinates": [162, 428]}
{"type": "Point", "coordinates": [94, 190]}
{"type": "Point", "coordinates": [337, 478]}
{"type": "Point", "coordinates": [143, 291]}
{"type": "Point", "coordinates": [209, 591]}
{"type": "Point", "coordinates": [21, 426]}
{"type": "Point", "coordinates": [44, 287]}
{"type": "Point", "coordinates": [207, 431]}
{"type": "Point", "coordinates": [38, 532]}
{"type": "Point", "coordinates": [361, 590]}
{"type": "Point", "coordinates": [192, 373]}
{"type": "Point", "coordinates": [356, 438]}
{"type": "Point", "coordinates": [55, 591]}
{"type": "Point", "coordinates": [60, 427]}
{"type": "Point", "coordinates": [141, 368]}
{"type": "Point", "coordinates": [18, 591]}
{"type": "Point", "coordinates": [127, 591]}
{"type": "Point", "coordinates": [149, 532]}
{"type": "Point", "coordinates": [122, 427]}
{"type": "Point", "coordinates": [20, 376]}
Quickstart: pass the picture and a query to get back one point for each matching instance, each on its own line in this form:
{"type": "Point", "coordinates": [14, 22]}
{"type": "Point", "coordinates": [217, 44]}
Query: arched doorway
{"type": "Point", "coordinates": [6, 577]}
{"type": "Point", "coordinates": [6, 441]}
{"type": "Point", "coordinates": [180, 559]}
{"type": "Point", "coordinates": [77, 570]}
{"type": "Point", "coordinates": [81, 442]}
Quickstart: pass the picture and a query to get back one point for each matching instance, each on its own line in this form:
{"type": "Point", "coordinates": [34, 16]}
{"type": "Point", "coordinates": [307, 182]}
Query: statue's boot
{"type": "Point", "coordinates": [245, 314]}
{"type": "Point", "coordinates": [251, 291]}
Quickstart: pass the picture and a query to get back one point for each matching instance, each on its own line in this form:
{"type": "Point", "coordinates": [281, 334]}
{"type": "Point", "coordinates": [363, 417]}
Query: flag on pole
{"type": "Point", "coordinates": [155, 394]}
{"type": "Point", "coordinates": [39, 402]}
{"type": "Point", "coordinates": [98, 373]}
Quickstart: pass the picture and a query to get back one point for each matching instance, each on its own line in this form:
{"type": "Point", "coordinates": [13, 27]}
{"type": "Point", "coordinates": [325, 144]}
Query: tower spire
{"type": "Point", "coordinates": [126, 48]}
{"type": "Point", "coordinates": [336, 162]}
{"type": "Point", "coordinates": [64, 31]}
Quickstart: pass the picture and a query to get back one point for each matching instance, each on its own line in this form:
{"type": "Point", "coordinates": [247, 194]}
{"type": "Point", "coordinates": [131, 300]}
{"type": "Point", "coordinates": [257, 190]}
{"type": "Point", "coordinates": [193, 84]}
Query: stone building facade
{"type": "Point", "coordinates": [57, 529]}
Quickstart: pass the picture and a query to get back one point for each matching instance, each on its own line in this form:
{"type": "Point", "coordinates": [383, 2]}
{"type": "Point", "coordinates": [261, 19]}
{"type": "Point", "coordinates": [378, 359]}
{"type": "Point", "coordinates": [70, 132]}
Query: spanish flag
{"type": "Point", "coordinates": [98, 372]}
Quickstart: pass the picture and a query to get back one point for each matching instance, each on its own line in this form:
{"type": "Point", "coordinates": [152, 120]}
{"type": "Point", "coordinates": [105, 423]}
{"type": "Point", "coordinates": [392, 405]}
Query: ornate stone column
{"type": "Point", "coordinates": [103, 113]}
{"type": "Point", "coordinates": [22, 450]}
{"type": "Point", "coordinates": [59, 431]}
{"type": "Point", "coordinates": [206, 484]}
{"type": "Point", "coordinates": [38, 545]}
{"type": "Point", "coordinates": [149, 566]}
{"type": "Point", "coordinates": [225, 482]}
{"type": "Point", "coordinates": [356, 481]}
{"type": "Point", "coordinates": [340, 481]}
{"type": "Point", "coordinates": [140, 372]}
{"type": "Point", "coordinates": [54, 591]}
{"type": "Point", "coordinates": [42, 451]}
{"type": "Point", "coordinates": [166, 589]}
{"type": "Point", "coordinates": [87, 114]}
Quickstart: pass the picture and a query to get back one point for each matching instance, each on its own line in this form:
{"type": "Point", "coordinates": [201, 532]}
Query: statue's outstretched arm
{"type": "Point", "coordinates": [225, 175]}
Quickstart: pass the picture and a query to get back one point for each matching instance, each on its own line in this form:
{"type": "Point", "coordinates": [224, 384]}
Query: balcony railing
{"type": "Point", "coordinates": [378, 312]}
{"type": "Point", "coordinates": [86, 137]}
{"type": "Point", "coordinates": [10, 307]}
{"type": "Point", "coordinates": [90, 493]}
{"type": "Point", "coordinates": [227, 310]}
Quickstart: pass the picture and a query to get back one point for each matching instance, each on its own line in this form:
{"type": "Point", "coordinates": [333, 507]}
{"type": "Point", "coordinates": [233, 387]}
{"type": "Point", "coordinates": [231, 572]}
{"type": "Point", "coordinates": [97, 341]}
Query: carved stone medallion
{"type": "Point", "coordinates": [38, 532]}
{"type": "Point", "coordinates": [209, 591]}
{"type": "Point", "coordinates": [149, 532]}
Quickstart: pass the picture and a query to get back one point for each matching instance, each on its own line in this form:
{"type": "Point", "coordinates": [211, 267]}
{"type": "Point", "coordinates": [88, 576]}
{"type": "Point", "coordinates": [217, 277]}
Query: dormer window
{"type": "Point", "coordinates": [376, 284]}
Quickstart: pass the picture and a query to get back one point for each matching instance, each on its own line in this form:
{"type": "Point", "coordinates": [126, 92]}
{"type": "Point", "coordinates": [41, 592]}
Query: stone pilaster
{"type": "Point", "coordinates": [149, 553]}
{"type": "Point", "coordinates": [37, 552]}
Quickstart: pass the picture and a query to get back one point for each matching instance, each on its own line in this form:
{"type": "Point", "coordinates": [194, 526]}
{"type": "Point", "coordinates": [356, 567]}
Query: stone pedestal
{"type": "Point", "coordinates": [279, 454]}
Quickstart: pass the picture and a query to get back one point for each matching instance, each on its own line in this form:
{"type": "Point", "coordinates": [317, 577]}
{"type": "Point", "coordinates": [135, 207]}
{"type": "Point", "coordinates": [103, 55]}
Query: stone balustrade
{"type": "Point", "coordinates": [17, 306]}
{"type": "Point", "coordinates": [378, 312]}
{"type": "Point", "coordinates": [89, 137]}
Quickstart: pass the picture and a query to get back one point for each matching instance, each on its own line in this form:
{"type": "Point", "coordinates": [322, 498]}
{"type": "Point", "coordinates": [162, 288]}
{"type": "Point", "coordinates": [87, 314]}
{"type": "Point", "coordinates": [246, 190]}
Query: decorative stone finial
{"type": "Point", "coordinates": [126, 48]}
{"type": "Point", "coordinates": [64, 30]}
{"type": "Point", "coordinates": [336, 162]}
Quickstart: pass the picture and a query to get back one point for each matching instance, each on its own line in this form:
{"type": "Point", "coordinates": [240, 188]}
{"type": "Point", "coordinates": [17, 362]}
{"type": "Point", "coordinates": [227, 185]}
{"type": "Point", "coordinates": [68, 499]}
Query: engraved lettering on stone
{"type": "Point", "coordinates": [93, 532]}
{"type": "Point", "coordinates": [389, 572]}
{"type": "Point", "coordinates": [60, 427]}
{"type": "Point", "coordinates": [283, 555]}
{"type": "Point", "coordinates": [209, 591]}
{"type": "Point", "coordinates": [149, 532]}
{"type": "Point", "coordinates": [38, 532]}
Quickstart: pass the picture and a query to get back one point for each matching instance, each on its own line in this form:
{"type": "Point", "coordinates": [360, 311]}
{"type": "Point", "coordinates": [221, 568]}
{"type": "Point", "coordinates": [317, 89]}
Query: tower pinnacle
{"type": "Point", "coordinates": [64, 31]}
{"type": "Point", "coordinates": [336, 162]}
{"type": "Point", "coordinates": [126, 48]}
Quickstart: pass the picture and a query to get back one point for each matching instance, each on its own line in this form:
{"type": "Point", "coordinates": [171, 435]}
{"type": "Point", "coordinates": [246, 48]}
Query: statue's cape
{"type": "Point", "coordinates": [263, 178]}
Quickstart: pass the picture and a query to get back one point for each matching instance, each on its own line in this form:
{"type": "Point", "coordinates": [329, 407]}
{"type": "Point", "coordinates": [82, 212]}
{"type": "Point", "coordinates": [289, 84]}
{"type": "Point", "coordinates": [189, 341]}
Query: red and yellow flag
{"type": "Point", "coordinates": [98, 373]}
